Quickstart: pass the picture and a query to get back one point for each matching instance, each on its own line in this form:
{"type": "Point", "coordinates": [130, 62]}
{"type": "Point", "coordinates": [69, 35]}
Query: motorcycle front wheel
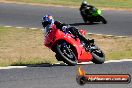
{"type": "Point", "coordinates": [67, 53]}
{"type": "Point", "coordinates": [102, 19]}
{"type": "Point", "coordinates": [98, 55]}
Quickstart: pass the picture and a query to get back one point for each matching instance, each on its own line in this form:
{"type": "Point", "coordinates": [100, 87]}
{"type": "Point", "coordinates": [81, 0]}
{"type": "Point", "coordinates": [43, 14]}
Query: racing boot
{"type": "Point", "coordinates": [91, 41]}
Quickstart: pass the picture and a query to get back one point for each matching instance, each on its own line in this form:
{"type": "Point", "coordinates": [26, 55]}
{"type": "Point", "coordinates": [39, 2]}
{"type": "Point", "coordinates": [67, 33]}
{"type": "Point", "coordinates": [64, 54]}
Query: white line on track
{"type": "Point", "coordinates": [33, 28]}
{"type": "Point", "coordinates": [109, 61]}
{"type": "Point", "coordinates": [19, 27]}
{"type": "Point", "coordinates": [106, 35]}
{"type": "Point", "coordinates": [7, 26]}
{"type": "Point", "coordinates": [12, 67]}
{"type": "Point", "coordinates": [84, 63]}
{"type": "Point", "coordinates": [42, 29]}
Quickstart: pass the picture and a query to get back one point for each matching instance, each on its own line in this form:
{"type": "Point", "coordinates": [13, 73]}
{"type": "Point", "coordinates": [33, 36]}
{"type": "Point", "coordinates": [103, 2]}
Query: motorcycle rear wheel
{"type": "Point", "coordinates": [58, 57]}
{"type": "Point", "coordinates": [67, 53]}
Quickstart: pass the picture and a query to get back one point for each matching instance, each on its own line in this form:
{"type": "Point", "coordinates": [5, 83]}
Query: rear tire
{"type": "Point", "coordinates": [58, 57]}
{"type": "Point", "coordinates": [67, 54]}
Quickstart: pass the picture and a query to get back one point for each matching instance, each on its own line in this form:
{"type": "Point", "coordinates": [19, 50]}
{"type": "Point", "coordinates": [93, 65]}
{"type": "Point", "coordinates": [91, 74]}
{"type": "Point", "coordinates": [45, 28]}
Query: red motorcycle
{"type": "Point", "coordinates": [72, 50]}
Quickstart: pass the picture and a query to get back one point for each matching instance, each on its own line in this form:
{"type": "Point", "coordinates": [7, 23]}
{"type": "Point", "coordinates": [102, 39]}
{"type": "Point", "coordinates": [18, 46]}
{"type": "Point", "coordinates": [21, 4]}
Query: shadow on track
{"type": "Point", "coordinates": [40, 65]}
{"type": "Point", "coordinates": [48, 65]}
{"type": "Point", "coordinates": [79, 24]}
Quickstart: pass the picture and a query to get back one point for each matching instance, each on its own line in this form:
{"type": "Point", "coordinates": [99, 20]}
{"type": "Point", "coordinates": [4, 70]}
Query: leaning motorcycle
{"type": "Point", "coordinates": [94, 16]}
{"type": "Point", "coordinates": [70, 49]}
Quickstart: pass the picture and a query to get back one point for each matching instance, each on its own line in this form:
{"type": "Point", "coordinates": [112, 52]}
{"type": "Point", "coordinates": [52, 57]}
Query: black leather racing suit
{"type": "Point", "coordinates": [85, 11]}
{"type": "Point", "coordinates": [73, 30]}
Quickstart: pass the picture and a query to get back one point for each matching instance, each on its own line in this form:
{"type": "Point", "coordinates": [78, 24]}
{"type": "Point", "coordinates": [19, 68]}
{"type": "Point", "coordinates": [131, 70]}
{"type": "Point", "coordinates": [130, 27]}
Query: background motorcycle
{"type": "Point", "coordinates": [94, 16]}
{"type": "Point", "coordinates": [72, 50]}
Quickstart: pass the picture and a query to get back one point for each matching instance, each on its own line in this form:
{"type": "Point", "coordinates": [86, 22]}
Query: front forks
{"type": "Point", "coordinates": [88, 45]}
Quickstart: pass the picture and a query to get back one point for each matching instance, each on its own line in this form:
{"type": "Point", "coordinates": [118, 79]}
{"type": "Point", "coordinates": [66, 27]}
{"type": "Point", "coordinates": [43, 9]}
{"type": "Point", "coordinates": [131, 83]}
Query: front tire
{"type": "Point", "coordinates": [67, 52]}
{"type": "Point", "coordinates": [98, 56]}
{"type": "Point", "coordinates": [102, 19]}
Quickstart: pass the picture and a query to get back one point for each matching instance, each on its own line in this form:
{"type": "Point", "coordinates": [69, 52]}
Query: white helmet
{"type": "Point", "coordinates": [84, 2]}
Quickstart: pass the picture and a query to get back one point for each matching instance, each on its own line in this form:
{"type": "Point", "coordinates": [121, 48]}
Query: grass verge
{"type": "Point", "coordinates": [24, 46]}
{"type": "Point", "coordinates": [115, 47]}
{"type": "Point", "coordinates": [99, 3]}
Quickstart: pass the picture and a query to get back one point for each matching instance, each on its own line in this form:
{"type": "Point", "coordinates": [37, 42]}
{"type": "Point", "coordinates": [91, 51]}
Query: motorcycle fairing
{"type": "Point", "coordinates": [56, 36]}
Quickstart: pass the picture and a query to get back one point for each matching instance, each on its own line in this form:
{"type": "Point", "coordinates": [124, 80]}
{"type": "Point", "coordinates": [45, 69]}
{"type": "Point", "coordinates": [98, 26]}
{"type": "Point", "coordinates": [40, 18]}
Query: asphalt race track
{"type": "Point", "coordinates": [62, 76]}
{"type": "Point", "coordinates": [119, 22]}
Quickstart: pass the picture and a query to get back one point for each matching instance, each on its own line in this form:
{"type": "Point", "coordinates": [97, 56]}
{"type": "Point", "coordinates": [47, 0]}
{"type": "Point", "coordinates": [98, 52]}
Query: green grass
{"type": "Point", "coordinates": [98, 3]}
{"type": "Point", "coordinates": [120, 54]}
{"type": "Point", "coordinates": [115, 48]}
{"type": "Point", "coordinates": [24, 47]}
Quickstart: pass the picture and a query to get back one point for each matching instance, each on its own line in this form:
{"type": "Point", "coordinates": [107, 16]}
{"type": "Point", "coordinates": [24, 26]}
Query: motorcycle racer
{"type": "Point", "coordinates": [86, 10]}
{"type": "Point", "coordinates": [60, 38]}
{"type": "Point", "coordinates": [48, 21]}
